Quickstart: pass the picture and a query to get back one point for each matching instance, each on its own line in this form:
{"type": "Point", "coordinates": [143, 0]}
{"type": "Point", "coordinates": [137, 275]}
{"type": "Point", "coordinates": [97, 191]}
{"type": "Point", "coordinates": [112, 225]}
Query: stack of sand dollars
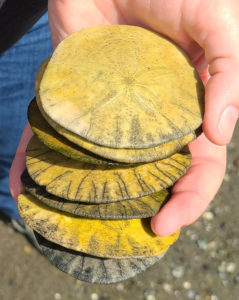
{"type": "Point", "coordinates": [115, 107]}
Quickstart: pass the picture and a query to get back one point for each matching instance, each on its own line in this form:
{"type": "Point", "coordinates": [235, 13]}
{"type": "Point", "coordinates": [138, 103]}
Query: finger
{"type": "Point", "coordinates": [18, 164]}
{"type": "Point", "coordinates": [215, 27]}
{"type": "Point", "coordinates": [67, 16]}
{"type": "Point", "coordinates": [193, 192]}
{"type": "Point", "coordinates": [221, 106]}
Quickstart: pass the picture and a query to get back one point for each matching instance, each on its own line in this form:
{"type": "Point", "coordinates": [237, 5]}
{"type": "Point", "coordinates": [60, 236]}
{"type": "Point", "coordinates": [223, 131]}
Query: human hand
{"type": "Point", "coordinates": [208, 32]}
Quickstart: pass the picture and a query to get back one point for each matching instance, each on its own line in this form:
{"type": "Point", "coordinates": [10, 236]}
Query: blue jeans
{"type": "Point", "coordinates": [18, 68]}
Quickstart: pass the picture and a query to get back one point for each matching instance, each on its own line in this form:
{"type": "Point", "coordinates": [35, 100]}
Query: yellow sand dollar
{"type": "Point", "coordinates": [78, 181]}
{"type": "Point", "coordinates": [123, 155]}
{"type": "Point", "coordinates": [122, 87]}
{"type": "Point", "coordinates": [103, 238]}
{"type": "Point", "coordinates": [143, 207]}
{"type": "Point", "coordinates": [54, 141]}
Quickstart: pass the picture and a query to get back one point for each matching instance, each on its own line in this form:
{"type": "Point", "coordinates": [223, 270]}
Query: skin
{"type": "Point", "coordinates": [208, 32]}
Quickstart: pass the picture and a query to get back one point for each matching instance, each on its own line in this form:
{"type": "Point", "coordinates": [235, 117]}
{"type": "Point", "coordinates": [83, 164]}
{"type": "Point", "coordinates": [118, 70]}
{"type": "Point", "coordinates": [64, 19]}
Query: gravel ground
{"type": "Point", "coordinates": [201, 265]}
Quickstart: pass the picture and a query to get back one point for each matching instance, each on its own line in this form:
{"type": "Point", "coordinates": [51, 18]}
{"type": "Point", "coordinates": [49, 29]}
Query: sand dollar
{"type": "Point", "coordinates": [47, 135]}
{"type": "Point", "coordinates": [143, 207]}
{"type": "Point", "coordinates": [102, 238]}
{"type": "Point", "coordinates": [56, 141]}
{"type": "Point", "coordinates": [91, 268]}
{"type": "Point", "coordinates": [122, 87]}
{"type": "Point", "coordinates": [78, 181]}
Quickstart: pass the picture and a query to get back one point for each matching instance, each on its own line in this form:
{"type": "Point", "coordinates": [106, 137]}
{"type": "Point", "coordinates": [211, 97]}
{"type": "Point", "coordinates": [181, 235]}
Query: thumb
{"type": "Point", "coordinates": [222, 103]}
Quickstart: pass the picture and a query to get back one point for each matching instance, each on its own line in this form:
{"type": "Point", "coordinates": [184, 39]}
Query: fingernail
{"type": "Point", "coordinates": [228, 122]}
{"type": "Point", "coordinates": [165, 230]}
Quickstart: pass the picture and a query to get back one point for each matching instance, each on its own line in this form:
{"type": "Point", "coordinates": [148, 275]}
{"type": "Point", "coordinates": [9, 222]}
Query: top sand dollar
{"type": "Point", "coordinates": [122, 87]}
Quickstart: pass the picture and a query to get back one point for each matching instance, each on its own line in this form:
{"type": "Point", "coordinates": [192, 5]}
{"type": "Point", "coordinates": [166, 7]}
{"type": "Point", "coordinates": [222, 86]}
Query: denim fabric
{"type": "Point", "coordinates": [18, 68]}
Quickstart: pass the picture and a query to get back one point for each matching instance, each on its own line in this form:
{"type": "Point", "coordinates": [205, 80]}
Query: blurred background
{"type": "Point", "coordinates": [203, 264]}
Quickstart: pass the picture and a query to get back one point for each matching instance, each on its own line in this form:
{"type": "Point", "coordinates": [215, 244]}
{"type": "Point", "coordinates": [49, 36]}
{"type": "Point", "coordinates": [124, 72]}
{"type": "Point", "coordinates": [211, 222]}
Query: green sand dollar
{"type": "Point", "coordinates": [102, 238]}
{"type": "Point", "coordinates": [143, 207]}
{"type": "Point", "coordinates": [124, 87]}
{"type": "Point", "coordinates": [77, 181]}
{"type": "Point", "coordinates": [93, 269]}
